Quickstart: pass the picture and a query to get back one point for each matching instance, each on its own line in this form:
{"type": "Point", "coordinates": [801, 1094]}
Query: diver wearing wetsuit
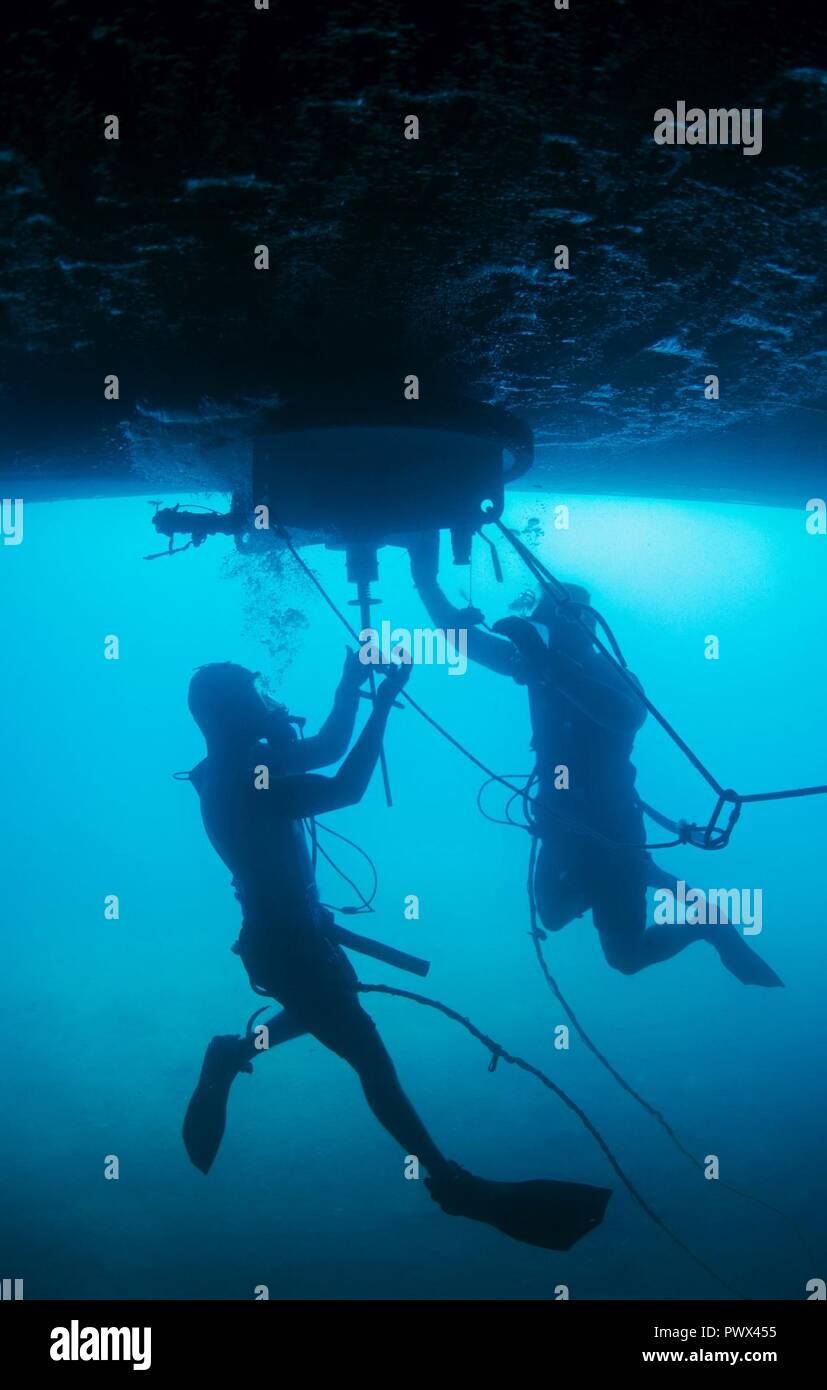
{"type": "Point", "coordinates": [584, 719]}
{"type": "Point", "coordinates": [286, 945]}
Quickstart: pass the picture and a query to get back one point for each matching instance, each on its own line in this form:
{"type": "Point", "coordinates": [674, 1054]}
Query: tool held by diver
{"type": "Point", "coordinates": [198, 523]}
{"type": "Point", "coordinates": [366, 946]}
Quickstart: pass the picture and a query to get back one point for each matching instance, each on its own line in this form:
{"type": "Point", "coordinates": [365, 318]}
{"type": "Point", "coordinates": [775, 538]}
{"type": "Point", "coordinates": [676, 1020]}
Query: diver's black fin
{"type": "Point", "coordinates": [744, 963]}
{"type": "Point", "coordinates": [206, 1116]}
{"type": "Point", "coordinates": [552, 1215]}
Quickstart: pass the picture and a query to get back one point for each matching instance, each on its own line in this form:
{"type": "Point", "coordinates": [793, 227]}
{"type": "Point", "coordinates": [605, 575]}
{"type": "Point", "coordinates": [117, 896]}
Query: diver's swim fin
{"type": "Point", "coordinates": [552, 1215]}
{"type": "Point", "coordinates": [206, 1116]}
{"type": "Point", "coordinates": [742, 962]}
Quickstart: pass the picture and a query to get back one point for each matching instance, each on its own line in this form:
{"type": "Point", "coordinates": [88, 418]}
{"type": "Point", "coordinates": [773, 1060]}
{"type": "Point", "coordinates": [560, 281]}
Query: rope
{"type": "Point", "coordinates": [537, 937]}
{"type": "Point", "coordinates": [499, 1053]}
{"type": "Point", "coordinates": [550, 582]}
{"type": "Point", "coordinates": [366, 903]}
{"type": "Point", "coordinates": [683, 833]}
{"type": "Point", "coordinates": [579, 826]}
{"type": "Point", "coordinates": [171, 521]}
{"type": "Point", "coordinates": [524, 793]}
{"type": "Point", "coordinates": [785, 795]}
{"type": "Point", "coordinates": [313, 827]}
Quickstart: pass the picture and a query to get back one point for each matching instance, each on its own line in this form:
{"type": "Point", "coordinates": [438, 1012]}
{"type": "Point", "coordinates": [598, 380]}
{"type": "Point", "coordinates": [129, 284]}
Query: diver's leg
{"type": "Point", "coordinates": [731, 948]}
{"type": "Point", "coordinates": [546, 1213]}
{"type": "Point", "coordinates": [281, 1028]}
{"type": "Point", "coordinates": [662, 943]}
{"type": "Point", "coordinates": [351, 1033]}
{"type": "Point", "coordinates": [549, 1214]}
{"type": "Point", "coordinates": [628, 950]}
{"type": "Point", "coordinates": [620, 913]}
{"type": "Point", "coordinates": [656, 877]}
{"type": "Point", "coordinates": [559, 893]}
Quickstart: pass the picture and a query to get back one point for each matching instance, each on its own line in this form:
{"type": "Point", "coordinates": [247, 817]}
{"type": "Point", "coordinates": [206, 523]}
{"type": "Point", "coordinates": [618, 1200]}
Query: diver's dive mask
{"type": "Point", "coordinates": [284, 724]}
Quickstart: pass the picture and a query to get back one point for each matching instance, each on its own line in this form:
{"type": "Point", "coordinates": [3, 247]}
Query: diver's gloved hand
{"type": "Point", "coordinates": [471, 616]}
{"type": "Point", "coordinates": [354, 671]}
{"type": "Point", "coordinates": [423, 549]}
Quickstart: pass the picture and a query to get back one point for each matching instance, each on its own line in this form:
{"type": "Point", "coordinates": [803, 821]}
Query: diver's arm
{"type": "Point", "coordinates": [333, 739]}
{"type": "Point", "coordinates": [614, 706]}
{"type": "Point", "coordinates": [494, 652]}
{"type": "Point", "coordinates": [311, 795]}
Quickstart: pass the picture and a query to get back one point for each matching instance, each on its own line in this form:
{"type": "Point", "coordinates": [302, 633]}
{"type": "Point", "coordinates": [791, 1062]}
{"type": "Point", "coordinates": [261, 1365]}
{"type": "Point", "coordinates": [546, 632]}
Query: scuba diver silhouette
{"type": "Point", "coordinates": [584, 718]}
{"type": "Point", "coordinates": [287, 941]}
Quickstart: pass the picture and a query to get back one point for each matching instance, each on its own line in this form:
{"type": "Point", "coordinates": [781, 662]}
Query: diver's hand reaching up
{"type": "Point", "coordinates": [354, 671]}
{"type": "Point", "coordinates": [423, 549]}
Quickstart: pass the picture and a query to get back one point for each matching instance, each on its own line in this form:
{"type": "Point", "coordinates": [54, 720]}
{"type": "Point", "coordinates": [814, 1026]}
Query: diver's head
{"type": "Point", "coordinates": [227, 705]}
{"type": "Point", "coordinates": [563, 633]}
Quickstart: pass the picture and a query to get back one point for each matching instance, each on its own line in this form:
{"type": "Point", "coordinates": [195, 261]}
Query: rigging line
{"type": "Point", "coordinates": [310, 826]}
{"type": "Point", "coordinates": [508, 816]}
{"type": "Point", "coordinates": [785, 795]}
{"type": "Point", "coordinates": [498, 1052]}
{"type": "Point", "coordinates": [547, 578]}
{"type": "Point", "coordinates": [577, 826]}
{"type": "Point", "coordinates": [525, 793]}
{"type": "Point", "coordinates": [537, 936]}
{"type": "Point", "coordinates": [387, 989]}
{"type": "Point", "coordinates": [314, 827]}
{"type": "Point", "coordinates": [337, 834]}
{"type": "Point", "coordinates": [493, 776]}
{"type": "Point", "coordinates": [608, 631]}
{"type": "Point", "coordinates": [366, 903]}
{"type": "Point", "coordinates": [496, 820]}
{"type": "Point", "coordinates": [544, 575]}
{"type": "Point", "coordinates": [374, 874]}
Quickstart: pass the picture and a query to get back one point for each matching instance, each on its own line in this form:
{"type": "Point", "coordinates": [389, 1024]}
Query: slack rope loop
{"type": "Point", "coordinates": [366, 903]}
{"type": "Point", "coordinates": [552, 584]}
{"type": "Point", "coordinates": [500, 1054]}
{"type": "Point", "coordinates": [497, 820]}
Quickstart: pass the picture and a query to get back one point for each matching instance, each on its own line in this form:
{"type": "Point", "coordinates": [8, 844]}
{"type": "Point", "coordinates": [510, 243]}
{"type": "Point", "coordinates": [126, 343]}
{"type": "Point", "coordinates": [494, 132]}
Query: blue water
{"type": "Point", "coordinates": [104, 1023]}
